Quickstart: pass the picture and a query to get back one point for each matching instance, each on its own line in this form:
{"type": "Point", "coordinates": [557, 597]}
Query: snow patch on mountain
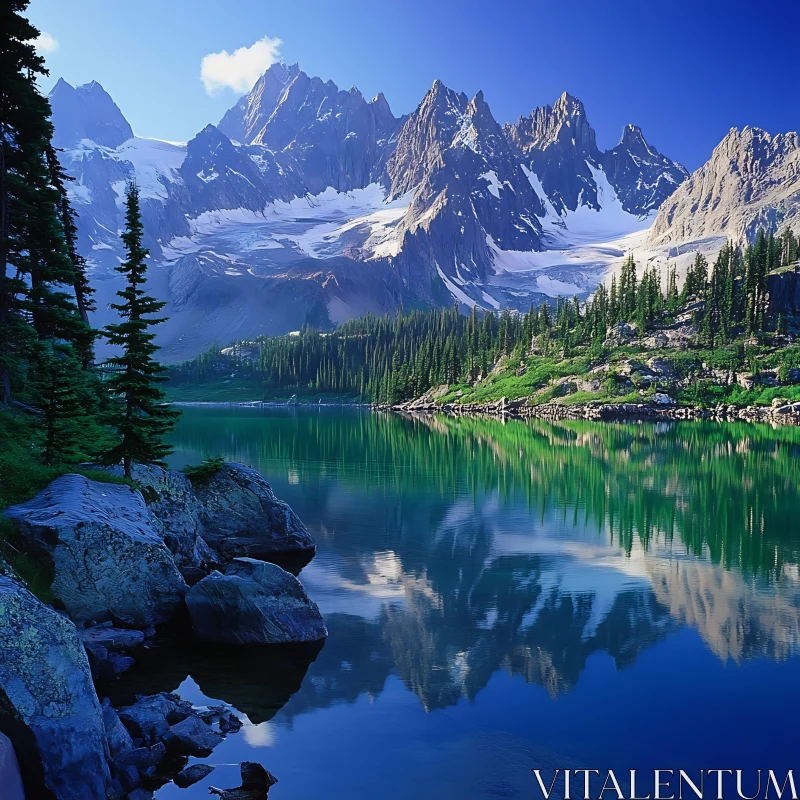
{"type": "Point", "coordinates": [153, 162]}
{"type": "Point", "coordinates": [582, 245]}
{"type": "Point", "coordinates": [319, 226]}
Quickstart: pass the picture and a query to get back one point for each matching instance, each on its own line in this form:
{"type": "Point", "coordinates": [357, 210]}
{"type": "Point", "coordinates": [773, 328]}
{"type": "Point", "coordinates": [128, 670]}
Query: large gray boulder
{"type": "Point", "coordinates": [108, 563]}
{"type": "Point", "coordinates": [254, 602]}
{"type": "Point", "coordinates": [240, 516]}
{"type": "Point", "coordinates": [46, 686]}
{"type": "Point", "coordinates": [175, 511]}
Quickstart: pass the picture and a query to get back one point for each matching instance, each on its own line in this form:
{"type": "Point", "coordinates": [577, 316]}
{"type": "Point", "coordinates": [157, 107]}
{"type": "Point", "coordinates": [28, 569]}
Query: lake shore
{"type": "Point", "coordinates": [782, 414]}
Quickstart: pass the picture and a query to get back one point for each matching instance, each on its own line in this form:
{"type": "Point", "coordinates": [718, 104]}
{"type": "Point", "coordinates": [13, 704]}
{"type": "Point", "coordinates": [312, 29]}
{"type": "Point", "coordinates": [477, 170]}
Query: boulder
{"type": "Point", "coordinates": [117, 736]}
{"type": "Point", "coordinates": [191, 775]}
{"type": "Point", "coordinates": [620, 333]}
{"type": "Point", "coordinates": [46, 687]}
{"type": "Point", "coordinates": [256, 783]}
{"type": "Point", "coordinates": [118, 640]}
{"type": "Point", "coordinates": [143, 757]}
{"type": "Point", "coordinates": [254, 602]}
{"type": "Point", "coordinates": [150, 717]}
{"type": "Point", "coordinates": [663, 368]}
{"type": "Point", "coordinates": [175, 511]}
{"type": "Point", "coordinates": [107, 647]}
{"type": "Point", "coordinates": [240, 515]}
{"type": "Point", "coordinates": [108, 563]}
{"type": "Point", "coordinates": [192, 737]}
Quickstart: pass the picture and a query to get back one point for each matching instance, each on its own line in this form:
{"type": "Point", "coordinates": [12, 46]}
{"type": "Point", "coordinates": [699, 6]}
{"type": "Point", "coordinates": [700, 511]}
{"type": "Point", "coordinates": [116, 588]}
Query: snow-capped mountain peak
{"type": "Point", "coordinates": [307, 203]}
{"type": "Point", "coordinates": [87, 112]}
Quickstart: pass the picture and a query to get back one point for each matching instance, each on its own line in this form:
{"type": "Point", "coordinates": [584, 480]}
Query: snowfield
{"type": "Point", "coordinates": [319, 226]}
{"type": "Point", "coordinates": [582, 247]}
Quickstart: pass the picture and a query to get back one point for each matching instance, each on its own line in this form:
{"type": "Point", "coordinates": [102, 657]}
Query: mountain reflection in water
{"type": "Point", "coordinates": [451, 551]}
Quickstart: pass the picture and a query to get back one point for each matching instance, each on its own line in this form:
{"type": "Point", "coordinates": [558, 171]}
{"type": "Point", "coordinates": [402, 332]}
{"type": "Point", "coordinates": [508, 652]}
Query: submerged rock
{"type": "Point", "coordinates": [256, 783]}
{"type": "Point", "coordinates": [108, 563]}
{"type": "Point", "coordinates": [46, 686]}
{"type": "Point", "coordinates": [241, 516]}
{"type": "Point", "coordinates": [254, 602]}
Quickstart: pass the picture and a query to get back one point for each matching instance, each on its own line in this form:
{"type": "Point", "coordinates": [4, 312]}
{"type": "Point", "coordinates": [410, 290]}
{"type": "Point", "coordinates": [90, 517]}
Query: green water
{"type": "Point", "coordinates": [502, 596]}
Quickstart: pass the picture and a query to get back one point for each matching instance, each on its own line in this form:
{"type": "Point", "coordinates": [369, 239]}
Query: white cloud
{"type": "Point", "coordinates": [45, 43]}
{"type": "Point", "coordinates": [240, 69]}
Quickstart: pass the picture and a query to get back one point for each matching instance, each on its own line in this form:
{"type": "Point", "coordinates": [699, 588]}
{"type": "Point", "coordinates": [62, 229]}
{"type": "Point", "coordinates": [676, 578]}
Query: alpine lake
{"type": "Point", "coordinates": [503, 596]}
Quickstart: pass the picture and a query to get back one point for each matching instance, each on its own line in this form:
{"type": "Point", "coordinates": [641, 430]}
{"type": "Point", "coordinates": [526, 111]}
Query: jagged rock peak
{"type": "Point", "coordinates": [568, 105]}
{"type": "Point", "coordinates": [564, 123]}
{"type": "Point", "coordinates": [86, 112]}
{"type": "Point", "coordinates": [642, 177]}
{"type": "Point", "coordinates": [751, 180]}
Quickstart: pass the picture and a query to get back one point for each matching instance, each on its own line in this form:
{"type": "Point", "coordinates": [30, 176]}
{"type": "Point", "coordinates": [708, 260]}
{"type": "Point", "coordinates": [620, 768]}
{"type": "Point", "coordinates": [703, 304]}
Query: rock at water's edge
{"type": "Point", "coordinates": [254, 602]}
{"type": "Point", "coordinates": [46, 685]}
{"type": "Point", "coordinates": [191, 775]}
{"type": "Point", "coordinates": [108, 562]}
{"type": "Point", "coordinates": [241, 515]}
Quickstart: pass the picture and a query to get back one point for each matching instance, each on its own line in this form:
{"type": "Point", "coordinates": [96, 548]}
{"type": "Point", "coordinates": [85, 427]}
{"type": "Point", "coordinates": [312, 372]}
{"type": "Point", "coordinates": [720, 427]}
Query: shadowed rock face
{"type": "Point", "coordinates": [87, 112]}
{"type": "Point", "coordinates": [333, 137]}
{"type": "Point", "coordinates": [254, 602]}
{"type": "Point", "coordinates": [559, 145]}
{"type": "Point", "coordinates": [468, 189]}
{"type": "Point", "coordinates": [10, 777]}
{"type": "Point", "coordinates": [240, 515]}
{"type": "Point", "coordinates": [784, 292]}
{"type": "Point", "coordinates": [642, 177]}
{"type": "Point", "coordinates": [108, 563]}
{"type": "Point", "coordinates": [557, 141]}
{"type": "Point", "coordinates": [751, 180]}
{"type": "Point", "coordinates": [46, 691]}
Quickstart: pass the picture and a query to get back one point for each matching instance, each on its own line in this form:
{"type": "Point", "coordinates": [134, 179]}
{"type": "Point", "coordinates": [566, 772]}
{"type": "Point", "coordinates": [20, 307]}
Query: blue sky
{"type": "Point", "coordinates": [685, 72]}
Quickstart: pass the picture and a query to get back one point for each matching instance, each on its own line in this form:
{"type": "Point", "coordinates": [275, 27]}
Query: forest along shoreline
{"type": "Point", "coordinates": [724, 346]}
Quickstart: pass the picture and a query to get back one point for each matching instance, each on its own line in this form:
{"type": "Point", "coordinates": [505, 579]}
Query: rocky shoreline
{"type": "Point", "coordinates": [171, 558]}
{"type": "Point", "coordinates": [777, 414]}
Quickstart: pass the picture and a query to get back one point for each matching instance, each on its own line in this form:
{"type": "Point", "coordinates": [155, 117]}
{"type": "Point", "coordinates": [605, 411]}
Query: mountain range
{"type": "Point", "coordinates": [310, 204]}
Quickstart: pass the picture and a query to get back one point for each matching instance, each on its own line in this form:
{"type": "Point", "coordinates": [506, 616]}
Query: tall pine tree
{"type": "Point", "coordinates": [34, 251]}
{"type": "Point", "coordinates": [143, 418]}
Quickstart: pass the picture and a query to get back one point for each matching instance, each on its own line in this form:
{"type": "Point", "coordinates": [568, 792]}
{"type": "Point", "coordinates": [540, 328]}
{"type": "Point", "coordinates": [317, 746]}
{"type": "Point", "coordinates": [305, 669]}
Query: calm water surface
{"type": "Point", "coordinates": [502, 596]}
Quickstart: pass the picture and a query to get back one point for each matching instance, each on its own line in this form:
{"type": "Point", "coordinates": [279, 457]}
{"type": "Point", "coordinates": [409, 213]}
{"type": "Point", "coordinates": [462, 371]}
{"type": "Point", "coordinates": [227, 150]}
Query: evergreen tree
{"type": "Point", "coordinates": [142, 418]}
{"type": "Point", "coordinates": [57, 385]}
{"type": "Point", "coordinates": [33, 245]}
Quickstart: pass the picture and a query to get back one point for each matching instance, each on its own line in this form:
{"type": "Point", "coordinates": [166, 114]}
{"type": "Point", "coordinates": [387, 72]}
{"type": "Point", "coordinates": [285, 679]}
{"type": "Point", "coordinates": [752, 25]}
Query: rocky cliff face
{"type": "Point", "coordinates": [784, 292]}
{"type": "Point", "coordinates": [333, 137]}
{"type": "Point", "coordinates": [468, 190]}
{"type": "Point", "coordinates": [751, 180]}
{"type": "Point", "coordinates": [557, 142]}
{"type": "Point", "coordinates": [559, 145]}
{"type": "Point", "coordinates": [642, 177]}
{"type": "Point", "coordinates": [87, 112]}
